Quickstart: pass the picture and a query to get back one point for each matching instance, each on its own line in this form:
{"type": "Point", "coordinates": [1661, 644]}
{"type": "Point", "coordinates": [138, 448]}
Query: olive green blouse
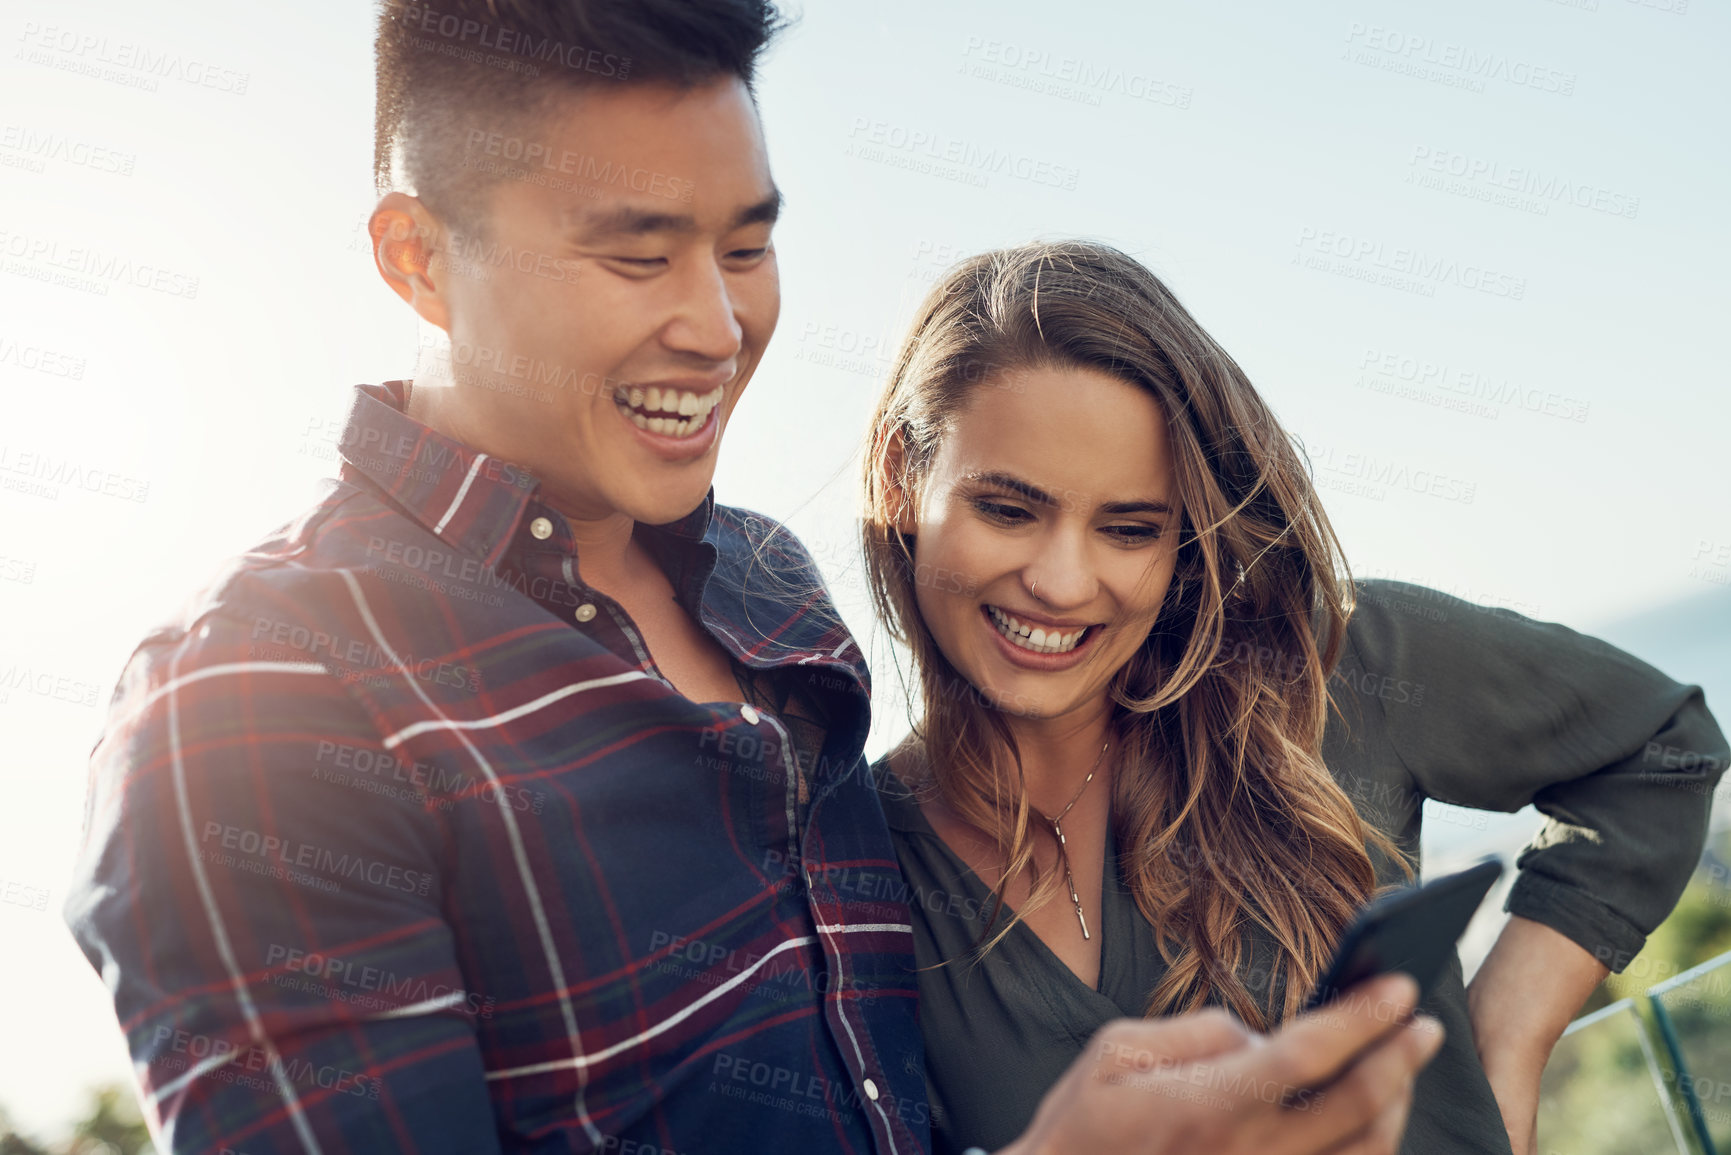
{"type": "Point", "coordinates": [1438, 698]}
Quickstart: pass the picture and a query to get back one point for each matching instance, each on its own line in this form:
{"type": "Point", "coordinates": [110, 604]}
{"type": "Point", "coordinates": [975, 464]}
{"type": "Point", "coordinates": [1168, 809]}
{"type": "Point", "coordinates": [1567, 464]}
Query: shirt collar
{"type": "Point", "coordinates": [468, 498]}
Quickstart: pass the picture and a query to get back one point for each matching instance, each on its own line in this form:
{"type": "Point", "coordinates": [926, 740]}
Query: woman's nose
{"type": "Point", "coordinates": [1061, 575]}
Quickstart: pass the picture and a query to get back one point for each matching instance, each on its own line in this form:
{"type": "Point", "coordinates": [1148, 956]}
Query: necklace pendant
{"type": "Point", "coordinates": [1058, 833]}
{"type": "Point", "coordinates": [1076, 901]}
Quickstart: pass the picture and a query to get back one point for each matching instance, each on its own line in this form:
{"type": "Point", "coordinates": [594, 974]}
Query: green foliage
{"type": "Point", "coordinates": [12, 1143]}
{"type": "Point", "coordinates": [111, 1126]}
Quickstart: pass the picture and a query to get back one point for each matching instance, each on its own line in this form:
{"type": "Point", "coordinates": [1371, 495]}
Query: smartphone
{"type": "Point", "coordinates": [1411, 930]}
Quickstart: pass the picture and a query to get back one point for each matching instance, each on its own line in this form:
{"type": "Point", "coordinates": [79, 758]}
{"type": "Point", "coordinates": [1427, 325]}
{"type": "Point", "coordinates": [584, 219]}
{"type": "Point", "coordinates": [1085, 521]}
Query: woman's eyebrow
{"type": "Point", "coordinates": [1039, 496]}
{"type": "Point", "coordinates": [1012, 483]}
{"type": "Point", "coordinates": [1136, 507]}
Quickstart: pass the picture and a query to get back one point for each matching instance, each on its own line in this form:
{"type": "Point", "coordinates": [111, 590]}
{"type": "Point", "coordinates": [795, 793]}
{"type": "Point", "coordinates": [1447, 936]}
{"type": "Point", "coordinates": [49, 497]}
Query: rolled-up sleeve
{"type": "Point", "coordinates": [1496, 710]}
{"type": "Point", "coordinates": [270, 931]}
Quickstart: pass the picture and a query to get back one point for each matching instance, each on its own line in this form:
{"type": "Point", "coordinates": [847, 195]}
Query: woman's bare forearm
{"type": "Point", "coordinates": [1527, 991]}
{"type": "Point", "coordinates": [1519, 1003]}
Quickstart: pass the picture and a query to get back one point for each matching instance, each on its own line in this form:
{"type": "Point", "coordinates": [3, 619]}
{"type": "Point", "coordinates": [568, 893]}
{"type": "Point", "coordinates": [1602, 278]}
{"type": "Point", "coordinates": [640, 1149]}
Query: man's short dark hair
{"type": "Point", "coordinates": [450, 69]}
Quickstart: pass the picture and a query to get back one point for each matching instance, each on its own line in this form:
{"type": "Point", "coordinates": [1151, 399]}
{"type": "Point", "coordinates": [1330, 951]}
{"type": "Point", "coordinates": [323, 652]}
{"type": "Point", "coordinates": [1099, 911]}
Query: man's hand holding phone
{"type": "Point", "coordinates": [1337, 1081]}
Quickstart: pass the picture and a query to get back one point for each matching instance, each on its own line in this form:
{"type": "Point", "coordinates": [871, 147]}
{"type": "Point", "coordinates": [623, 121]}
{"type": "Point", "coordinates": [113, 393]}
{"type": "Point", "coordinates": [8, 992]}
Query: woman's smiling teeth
{"type": "Point", "coordinates": [1034, 638]}
{"type": "Point", "coordinates": [673, 412]}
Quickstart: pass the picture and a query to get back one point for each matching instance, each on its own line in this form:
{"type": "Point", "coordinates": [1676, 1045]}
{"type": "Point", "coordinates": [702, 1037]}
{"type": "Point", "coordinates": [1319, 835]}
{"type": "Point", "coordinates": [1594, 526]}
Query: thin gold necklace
{"type": "Point", "coordinates": [1058, 833]}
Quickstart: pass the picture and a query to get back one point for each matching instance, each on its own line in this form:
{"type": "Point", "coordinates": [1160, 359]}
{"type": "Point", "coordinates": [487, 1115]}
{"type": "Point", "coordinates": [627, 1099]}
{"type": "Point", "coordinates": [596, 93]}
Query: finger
{"type": "Point", "coordinates": [1124, 1046]}
{"type": "Point", "coordinates": [1313, 1049]}
{"type": "Point", "coordinates": [1354, 1103]}
{"type": "Point", "coordinates": [1384, 1135]}
{"type": "Point", "coordinates": [1385, 1132]}
{"type": "Point", "coordinates": [1144, 1044]}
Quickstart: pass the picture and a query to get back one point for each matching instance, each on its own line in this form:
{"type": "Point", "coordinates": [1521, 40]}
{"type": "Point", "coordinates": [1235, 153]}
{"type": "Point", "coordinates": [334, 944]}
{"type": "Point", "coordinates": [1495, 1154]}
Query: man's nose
{"type": "Point", "coordinates": [704, 323]}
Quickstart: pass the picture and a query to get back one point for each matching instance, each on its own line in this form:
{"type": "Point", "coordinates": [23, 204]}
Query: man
{"type": "Point", "coordinates": [512, 797]}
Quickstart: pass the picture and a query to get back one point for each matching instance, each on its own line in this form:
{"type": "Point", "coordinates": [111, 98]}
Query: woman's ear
{"type": "Point", "coordinates": [892, 477]}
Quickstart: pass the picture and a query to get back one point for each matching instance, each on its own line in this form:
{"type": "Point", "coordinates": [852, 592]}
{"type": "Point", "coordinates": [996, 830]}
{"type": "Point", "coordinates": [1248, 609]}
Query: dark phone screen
{"type": "Point", "coordinates": [1411, 930]}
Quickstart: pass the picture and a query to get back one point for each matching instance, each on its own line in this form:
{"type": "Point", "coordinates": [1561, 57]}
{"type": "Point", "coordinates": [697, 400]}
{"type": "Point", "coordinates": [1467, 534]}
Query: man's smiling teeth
{"type": "Point", "coordinates": [1032, 637]}
{"type": "Point", "coordinates": [674, 412]}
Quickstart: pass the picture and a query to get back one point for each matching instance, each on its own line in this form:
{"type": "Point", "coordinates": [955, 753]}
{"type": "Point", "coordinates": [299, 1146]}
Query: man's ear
{"type": "Point", "coordinates": [892, 479]}
{"type": "Point", "coordinates": [406, 241]}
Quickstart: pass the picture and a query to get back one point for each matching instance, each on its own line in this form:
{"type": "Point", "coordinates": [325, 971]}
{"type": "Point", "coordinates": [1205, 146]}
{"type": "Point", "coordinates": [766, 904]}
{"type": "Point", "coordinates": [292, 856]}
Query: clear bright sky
{"type": "Point", "coordinates": [1473, 253]}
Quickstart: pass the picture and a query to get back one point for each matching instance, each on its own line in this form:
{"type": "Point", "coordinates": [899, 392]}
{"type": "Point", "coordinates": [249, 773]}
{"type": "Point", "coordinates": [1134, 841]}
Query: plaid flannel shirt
{"type": "Point", "coordinates": [397, 841]}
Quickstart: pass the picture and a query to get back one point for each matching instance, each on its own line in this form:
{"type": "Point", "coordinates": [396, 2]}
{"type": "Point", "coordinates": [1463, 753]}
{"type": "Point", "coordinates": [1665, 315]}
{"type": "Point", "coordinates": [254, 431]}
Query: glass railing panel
{"type": "Point", "coordinates": [1604, 1091]}
{"type": "Point", "coordinates": [1694, 1011]}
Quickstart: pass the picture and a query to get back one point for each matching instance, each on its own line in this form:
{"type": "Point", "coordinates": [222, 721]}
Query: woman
{"type": "Point", "coordinates": [1167, 747]}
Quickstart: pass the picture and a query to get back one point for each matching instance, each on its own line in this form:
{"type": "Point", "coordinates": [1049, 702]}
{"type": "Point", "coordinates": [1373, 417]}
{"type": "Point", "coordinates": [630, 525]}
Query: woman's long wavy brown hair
{"type": "Point", "coordinates": [1223, 811]}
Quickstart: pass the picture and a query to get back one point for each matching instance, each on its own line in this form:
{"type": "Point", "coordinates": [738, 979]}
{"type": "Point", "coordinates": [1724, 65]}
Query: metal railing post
{"type": "Point", "coordinates": [1668, 1031]}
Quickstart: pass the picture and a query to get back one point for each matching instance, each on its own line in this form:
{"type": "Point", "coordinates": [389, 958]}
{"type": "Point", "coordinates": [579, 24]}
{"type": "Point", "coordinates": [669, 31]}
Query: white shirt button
{"type": "Point", "coordinates": [749, 714]}
{"type": "Point", "coordinates": [584, 612]}
{"type": "Point", "coordinates": [871, 1090]}
{"type": "Point", "coordinates": [542, 528]}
